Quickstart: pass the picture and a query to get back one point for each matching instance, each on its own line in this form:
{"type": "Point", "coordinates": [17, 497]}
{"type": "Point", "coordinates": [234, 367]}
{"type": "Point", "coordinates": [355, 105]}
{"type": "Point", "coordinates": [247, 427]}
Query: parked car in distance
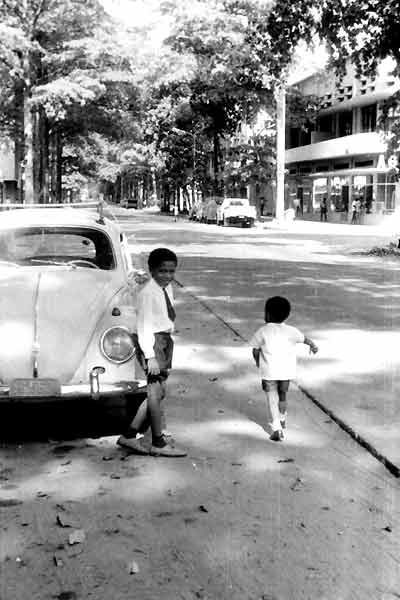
{"type": "Point", "coordinates": [68, 292]}
{"type": "Point", "coordinates": [211, 207]}
{"type": "Point", "coordinates": [194, 212]}
{"type": "Point", "coordinates": [236, 211]}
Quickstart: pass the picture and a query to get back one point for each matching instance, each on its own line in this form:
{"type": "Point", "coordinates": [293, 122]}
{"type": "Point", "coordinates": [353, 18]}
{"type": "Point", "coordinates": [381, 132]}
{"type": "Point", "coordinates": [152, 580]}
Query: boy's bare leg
{"type": "Point", "coordinates": [140, 418]}
{"type": "Point", "coordinates": [159, 446]}
{"type": "Point", "coordinates": [162, 408]}
{"type": "Point", "coordinates": [154, 397]}
{"type": "Point", "coordinates": [282, 408]}
{"type": "Point", "coordinates": [273, 402]}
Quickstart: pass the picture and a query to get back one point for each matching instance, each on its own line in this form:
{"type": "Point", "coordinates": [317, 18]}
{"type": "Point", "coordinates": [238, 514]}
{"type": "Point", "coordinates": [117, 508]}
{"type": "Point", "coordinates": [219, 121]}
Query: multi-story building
{"type": "Point", "coordinates": [342, 156]}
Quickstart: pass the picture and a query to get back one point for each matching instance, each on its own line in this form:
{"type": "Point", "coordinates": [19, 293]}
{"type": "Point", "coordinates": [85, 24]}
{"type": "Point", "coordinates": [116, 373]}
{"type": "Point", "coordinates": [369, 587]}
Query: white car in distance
{"type": "Point", "coordinates": [236, 211]}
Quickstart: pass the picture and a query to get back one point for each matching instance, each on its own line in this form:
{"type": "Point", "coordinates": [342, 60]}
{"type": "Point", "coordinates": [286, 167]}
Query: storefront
{"type": "Point", "coordinates": [377, 191]}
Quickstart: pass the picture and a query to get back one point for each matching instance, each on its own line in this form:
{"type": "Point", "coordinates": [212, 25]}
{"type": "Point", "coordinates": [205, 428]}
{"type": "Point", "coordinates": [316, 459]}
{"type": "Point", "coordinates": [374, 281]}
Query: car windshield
{"type": "Point", "coordinates": [35, 246]}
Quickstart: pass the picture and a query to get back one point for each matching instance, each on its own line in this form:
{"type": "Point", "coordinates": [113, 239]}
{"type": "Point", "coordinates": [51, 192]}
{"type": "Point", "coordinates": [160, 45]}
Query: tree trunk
{"type": "Point", "coordinates": [28, 193]}
{"type": "Point", "coordinates": [44, 156]}
{"type": "Point", "coordinates": [19, 139]}
{"type": "Point", "coordinates": [36, 156]}
{"type": "Point", "coordinates": [58, 166]}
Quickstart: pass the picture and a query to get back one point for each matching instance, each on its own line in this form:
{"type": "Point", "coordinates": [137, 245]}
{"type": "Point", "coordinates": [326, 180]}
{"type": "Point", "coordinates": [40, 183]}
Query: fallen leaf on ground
{"type": "Point", "coordinates": [237, 464]}
{"type": "Point", "coordinates": [76, 537]}
{"type": "Point", "coordinates": [58, 561]}
{"type": "Point", "coordinates": [133, 568]}
{"type": "Point", "coordinates": [67, 462]}
{"type": "Point", "coordinates": [387, 528]}
{"type": "Point", "coordinates": [114, 476]}
{"type": "Point", "coordinates": [297, 485]}
{"type": "Point", "coordinates": [62, 521]}
{"type": "Point", "coordinates": [108, 458]}
{"type": "Point", "coordinates": [286, 460]}
{"type": "Point", "coordinates": [67, 596]}
{"type": "Point", "coordinates": [213, 379]}
{"type": "Point", "coordinates": [202, 508]}
{"type": "Point", "coordinates": [42, 495]}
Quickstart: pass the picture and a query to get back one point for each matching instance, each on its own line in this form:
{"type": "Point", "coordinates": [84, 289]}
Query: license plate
{"type": "Point", "coordinates": [35, 388]}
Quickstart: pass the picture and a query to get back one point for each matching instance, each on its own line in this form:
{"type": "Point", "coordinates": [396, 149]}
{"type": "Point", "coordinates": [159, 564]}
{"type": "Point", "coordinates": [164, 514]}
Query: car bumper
{"type": "Point", "coordinates": [93, 391]}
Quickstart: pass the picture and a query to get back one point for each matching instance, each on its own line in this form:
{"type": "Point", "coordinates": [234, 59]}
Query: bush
{"type": "Point", "coordinates": [390, 250]}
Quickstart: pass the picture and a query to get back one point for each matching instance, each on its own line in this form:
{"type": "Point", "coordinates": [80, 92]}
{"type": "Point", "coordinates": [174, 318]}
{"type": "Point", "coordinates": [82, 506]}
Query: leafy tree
{"type": "Point", "coordinates": [65, 74]}
{"type": "Point", "coordinates": [242, 50]}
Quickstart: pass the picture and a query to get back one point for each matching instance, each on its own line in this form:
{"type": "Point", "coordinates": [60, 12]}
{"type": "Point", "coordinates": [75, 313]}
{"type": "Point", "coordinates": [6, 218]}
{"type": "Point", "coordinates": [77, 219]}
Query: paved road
{"type": "Point", "coordinates": [348, 302]}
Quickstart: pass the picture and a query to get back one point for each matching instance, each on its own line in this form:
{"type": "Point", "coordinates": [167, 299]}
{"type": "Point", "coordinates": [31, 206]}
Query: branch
{"type": "Point", "coordinates": [41, 8]}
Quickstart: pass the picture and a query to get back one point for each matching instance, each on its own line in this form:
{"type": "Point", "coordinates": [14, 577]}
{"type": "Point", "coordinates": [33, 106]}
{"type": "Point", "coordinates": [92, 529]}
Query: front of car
{"type": "Point", "coordinates": [67, 309]}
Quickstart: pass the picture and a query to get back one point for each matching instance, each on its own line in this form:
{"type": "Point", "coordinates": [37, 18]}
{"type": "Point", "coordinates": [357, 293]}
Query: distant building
{"type": "Point", "coordinates": [342, 155]}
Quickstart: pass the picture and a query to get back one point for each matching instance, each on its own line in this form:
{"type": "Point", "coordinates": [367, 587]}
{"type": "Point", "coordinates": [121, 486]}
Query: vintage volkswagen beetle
{"type": "Point", "coordinates": [67, 296]}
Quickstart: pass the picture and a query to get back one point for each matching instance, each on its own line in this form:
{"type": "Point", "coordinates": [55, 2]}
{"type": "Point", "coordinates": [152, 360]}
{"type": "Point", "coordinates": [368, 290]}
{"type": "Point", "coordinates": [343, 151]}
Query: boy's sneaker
{"type": "Point", "coordinates": [133, 444]}
{"type": "Point", "coordinates": [167, 450]}
{"type": "Point", "coordinates": [276, 436]}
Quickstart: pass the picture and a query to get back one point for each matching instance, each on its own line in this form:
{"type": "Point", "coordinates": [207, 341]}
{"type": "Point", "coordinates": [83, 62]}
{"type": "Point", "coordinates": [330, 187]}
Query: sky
{"type": "Point", "coordinates": [139, 13]}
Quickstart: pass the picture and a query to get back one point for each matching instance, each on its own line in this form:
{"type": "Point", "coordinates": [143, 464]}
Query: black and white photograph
{"type": "Point", "coordinates": [199, 300]}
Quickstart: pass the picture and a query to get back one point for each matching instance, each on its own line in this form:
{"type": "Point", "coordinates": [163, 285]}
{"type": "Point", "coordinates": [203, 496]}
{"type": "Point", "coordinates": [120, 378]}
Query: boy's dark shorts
{"type": "Point", "coordinates": [281, 384]}
{"type": "Point", "coordinates": [163, 351]}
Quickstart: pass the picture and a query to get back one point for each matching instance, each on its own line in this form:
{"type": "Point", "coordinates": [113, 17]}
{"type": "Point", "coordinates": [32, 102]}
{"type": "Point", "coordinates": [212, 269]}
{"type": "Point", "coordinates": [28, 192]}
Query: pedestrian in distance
{"type": "Point", "coordinates": [355, 207]}
{"type": "Point", "coordinates": [155, 323]}
{"type": "Point", "coordinates": [176, 212]}
{"type": "Point", "coordinates": [324, 209]}
{"type": "Point", "coordinates": [274, 352]}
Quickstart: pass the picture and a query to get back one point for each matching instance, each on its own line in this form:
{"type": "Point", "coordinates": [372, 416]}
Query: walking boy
{"type": "Point", "coordinates": [155, 323]}
{"type": "Point", "coordinates": [274, 352]}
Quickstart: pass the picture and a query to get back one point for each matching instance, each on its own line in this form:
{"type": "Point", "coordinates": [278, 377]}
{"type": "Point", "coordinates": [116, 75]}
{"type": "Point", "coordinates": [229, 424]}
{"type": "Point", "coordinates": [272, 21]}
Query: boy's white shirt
{"type": "Point", "coordinates": [152, 314]}
{"type": "Point", "coordinates": [277, 342]}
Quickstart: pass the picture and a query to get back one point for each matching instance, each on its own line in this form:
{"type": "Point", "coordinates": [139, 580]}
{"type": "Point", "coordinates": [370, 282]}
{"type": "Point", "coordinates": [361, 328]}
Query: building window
{"type": "Point", "coordinates": [368, 118]}
{"type": "Point", "coordinates": [345, 123]}
{"type": "Point", "coordinates": [325, 124]}
{"type": "Point", "coordinates": [294, 137]}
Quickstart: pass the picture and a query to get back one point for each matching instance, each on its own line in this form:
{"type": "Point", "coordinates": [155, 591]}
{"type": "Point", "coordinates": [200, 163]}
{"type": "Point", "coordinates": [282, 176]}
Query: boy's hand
{"type": "Point", "coordinates": [152, 366]}
{"type": "Point", "coordinates": [313, 349]}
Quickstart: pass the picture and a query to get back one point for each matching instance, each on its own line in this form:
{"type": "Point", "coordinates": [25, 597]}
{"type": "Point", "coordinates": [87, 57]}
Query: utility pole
{"type": "Point", "coordinates": [280, 96]}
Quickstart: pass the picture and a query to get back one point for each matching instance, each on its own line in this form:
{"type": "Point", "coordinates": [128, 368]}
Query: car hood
{"type": "Point", "coordinates": [56, 308]}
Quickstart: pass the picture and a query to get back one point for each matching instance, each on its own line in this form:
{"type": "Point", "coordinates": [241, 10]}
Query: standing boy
{"type": "Point", "coordinates": [155, 323]}
{"type": "Point", "coordinates": [274, 352]}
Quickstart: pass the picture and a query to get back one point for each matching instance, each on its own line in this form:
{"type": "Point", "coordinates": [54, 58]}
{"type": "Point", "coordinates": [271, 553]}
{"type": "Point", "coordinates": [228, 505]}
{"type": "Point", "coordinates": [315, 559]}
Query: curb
{"type": "Point", "coordinates": [390, 466]}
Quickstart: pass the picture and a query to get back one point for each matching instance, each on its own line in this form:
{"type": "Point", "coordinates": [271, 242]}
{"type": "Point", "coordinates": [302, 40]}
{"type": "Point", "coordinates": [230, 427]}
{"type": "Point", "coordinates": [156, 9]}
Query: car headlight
{"type": "Point", "coordinates": [116, 344]}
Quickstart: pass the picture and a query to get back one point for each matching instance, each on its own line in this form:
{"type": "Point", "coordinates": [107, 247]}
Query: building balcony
{"type": "Point", "coordinates": [350, 145]}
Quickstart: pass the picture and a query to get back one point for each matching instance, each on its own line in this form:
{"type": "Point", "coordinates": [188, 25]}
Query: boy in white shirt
{"type": "Point", "coordinates": [274, 352]}
{"type": "Point", "coordinates": [155, 323]}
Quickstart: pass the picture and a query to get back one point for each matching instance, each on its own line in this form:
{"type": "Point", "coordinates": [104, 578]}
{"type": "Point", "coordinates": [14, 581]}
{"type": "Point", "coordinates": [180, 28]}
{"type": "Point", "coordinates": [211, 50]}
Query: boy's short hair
{"type": "Point", "coordinates": [277, 309]}
{"type": "Point", "coordinates": [160, 255]}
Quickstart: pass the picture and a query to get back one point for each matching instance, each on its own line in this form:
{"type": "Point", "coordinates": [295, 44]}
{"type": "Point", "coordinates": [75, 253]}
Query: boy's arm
{"type": "Point", "coordinates": [313, 347]}
{"type": "Point", "coordinates": [256, 356]}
